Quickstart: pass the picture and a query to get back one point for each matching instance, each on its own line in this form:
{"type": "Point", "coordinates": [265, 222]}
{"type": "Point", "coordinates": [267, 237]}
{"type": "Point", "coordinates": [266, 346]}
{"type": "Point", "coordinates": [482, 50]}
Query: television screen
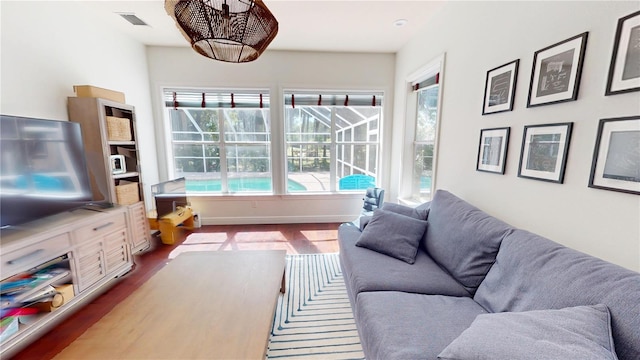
{"type": "Point", "coordinates": [43, 170]}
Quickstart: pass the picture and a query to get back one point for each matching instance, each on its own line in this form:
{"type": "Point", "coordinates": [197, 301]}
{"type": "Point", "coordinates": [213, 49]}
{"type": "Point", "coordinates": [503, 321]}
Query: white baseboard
{"type": "Point", "coordinates": [277, 219]}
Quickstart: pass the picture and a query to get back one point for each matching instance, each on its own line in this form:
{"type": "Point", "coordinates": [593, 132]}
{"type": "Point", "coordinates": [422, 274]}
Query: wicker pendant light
{"type": "Point", "coordinates": [227, 30]}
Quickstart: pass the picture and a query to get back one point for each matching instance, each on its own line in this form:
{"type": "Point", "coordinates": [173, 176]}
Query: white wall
{"type": "Point", "coordinates": [47, 47]}
{"type": "Point", "coordinates": [275, 70]}
{"type": "Point", "coordinates": [479, 36]}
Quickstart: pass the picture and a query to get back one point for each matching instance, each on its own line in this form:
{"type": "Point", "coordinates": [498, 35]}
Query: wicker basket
{"type": "Point", "coordinates": [127, 193]}
{"type": "Point", "coordinates": [118, 128]}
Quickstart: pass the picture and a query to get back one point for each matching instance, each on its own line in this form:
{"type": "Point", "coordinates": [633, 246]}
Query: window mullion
{"type": "Point", "coordinates": [332, 156]}
{"type": "Point", "coordinates": [366, 150]}
{"type": "Point", "coordinates": [224, 188]}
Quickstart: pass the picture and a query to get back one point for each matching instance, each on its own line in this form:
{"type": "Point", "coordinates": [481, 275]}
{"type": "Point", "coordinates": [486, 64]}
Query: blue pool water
{"type": "Point", "coordinates": [425, 182]}
{"type": "Point", "coordinates": [239, 184]}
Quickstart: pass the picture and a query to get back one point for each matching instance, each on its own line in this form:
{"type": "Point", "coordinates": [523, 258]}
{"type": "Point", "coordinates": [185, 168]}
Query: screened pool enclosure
{"type": "Point", "coordinates": [226, 145]}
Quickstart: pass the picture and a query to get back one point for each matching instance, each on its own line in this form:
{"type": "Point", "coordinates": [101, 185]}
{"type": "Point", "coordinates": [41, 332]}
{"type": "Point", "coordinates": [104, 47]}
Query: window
{"type": "Point", "coordinates": [220, 140]}
{"type": "Point", "coordinates": [420, 146]}
{"type": "Point", "coordinates": [332, 140]}
{"type": "Point", "coordinates": [425, 137]}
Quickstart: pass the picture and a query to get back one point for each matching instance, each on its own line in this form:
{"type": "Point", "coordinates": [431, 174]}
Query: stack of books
{"type": "Point", "coordinates": [23, 295]}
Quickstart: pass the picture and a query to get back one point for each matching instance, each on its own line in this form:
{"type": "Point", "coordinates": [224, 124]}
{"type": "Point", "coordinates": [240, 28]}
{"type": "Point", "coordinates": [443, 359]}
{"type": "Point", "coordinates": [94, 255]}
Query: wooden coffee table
{"type": "Point", "coordinates": [205, 305]}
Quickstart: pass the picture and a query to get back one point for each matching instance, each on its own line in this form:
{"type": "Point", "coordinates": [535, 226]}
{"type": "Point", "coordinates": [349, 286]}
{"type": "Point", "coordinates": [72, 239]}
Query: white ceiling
{"type": "Point", "coordinates": [310, 25]}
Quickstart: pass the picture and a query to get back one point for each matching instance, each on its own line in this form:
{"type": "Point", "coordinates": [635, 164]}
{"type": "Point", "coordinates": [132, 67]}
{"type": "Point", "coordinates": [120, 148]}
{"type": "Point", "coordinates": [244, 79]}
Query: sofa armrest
{"type": "Point", "coordinates": [364, 220]}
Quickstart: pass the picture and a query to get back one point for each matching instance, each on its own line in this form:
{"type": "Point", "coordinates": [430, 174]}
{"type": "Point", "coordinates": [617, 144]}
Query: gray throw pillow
{"type": "Point", "coordinates": [423, 210]}
{"type": "Point", "coordinates": [393, 234]}
{"type": "Point", "coordinates": [576, 333]}
{"type": "Point", "coordinates": [419, 212]}
{"type": "Point", "coordinates": [463, 239]}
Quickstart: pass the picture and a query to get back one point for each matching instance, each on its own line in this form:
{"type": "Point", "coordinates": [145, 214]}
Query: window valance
{"type": "Point", "coordinates": [295, 98]}
{"type": "Point", "coordinates": [424, 83]}
{"type": "Point", "coordinates": [181, 98]}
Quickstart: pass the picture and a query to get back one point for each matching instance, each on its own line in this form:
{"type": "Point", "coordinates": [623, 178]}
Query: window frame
{"type": "Point", "coordinates": [416, 191]}
{"type": "Point", "coordinates": [277, 136]}
{"type": "Point", "coordinates": [334, 99]}
{"type": "Point", "coordinates": [407, 195]}
{"type": "Point", "coordinates": [222, 141]}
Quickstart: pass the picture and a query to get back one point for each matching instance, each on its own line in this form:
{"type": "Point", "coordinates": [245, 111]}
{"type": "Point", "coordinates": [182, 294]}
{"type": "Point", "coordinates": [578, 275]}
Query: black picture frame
{"type": "Point", "coordinates": [616, 155]}
{"type": "Point", "coordinates": [624, 69]}
{"type": "Point", "coordinates": [544, 152]}
{"type": "Point", "coordinates": [556, 72]}
{"type": "Point", "coordinates": [500, 88]}
{"type": "Point", "coordinates": [492, 150]}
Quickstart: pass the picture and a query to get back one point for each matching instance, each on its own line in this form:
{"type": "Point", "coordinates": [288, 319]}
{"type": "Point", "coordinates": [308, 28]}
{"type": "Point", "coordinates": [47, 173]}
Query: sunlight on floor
{"type": "Point", "coordinates": [202, 238]}
{"type": "Point", "coordinates": [260, 236]}
{"type": "Point", "coordinates": [316, 235]}
{"type": "Point", "coordinates": [307, 240]}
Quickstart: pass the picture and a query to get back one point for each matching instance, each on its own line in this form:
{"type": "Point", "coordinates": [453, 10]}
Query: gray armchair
{"type": "Point", "coordinates": [373, 199]}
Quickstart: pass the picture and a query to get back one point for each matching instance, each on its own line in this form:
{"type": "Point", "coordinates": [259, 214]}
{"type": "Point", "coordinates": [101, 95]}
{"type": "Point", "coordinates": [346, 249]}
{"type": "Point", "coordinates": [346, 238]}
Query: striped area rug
{"type": "Point", "coordinates": [313, 318]}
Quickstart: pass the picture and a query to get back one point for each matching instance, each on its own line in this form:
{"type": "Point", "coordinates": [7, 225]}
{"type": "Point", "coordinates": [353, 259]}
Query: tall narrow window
{"type": "Point", "coordinates": [220, 140]}
{"type": "Point", "coordinates": [425, 137]}
{"type": "Point", "coordinates": [332, 140]}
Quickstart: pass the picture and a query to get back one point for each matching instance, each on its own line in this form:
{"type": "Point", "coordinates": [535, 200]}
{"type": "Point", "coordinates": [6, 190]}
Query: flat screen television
{"type": "Point", "coordinates": [43, 170]}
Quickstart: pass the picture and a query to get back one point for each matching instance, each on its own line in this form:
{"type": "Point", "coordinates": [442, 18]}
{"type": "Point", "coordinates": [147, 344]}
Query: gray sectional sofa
{"type": "Point", "coordinates": [446, 280]}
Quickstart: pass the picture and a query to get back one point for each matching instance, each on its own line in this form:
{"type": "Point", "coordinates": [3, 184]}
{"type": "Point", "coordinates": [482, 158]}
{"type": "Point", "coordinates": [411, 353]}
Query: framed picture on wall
{"type": "Point", "coordinates": [556, 72]}
{"type": "Point", "coordinates": [616, 157]}
{"type": "Point", "coordinates": [544, 152]}
{"type": "Point", "coordinates": [500, 88]}
{"type": "Point", "coordinates": [624, 70]}
{"type": "Point", "coordinates": [492, 151]}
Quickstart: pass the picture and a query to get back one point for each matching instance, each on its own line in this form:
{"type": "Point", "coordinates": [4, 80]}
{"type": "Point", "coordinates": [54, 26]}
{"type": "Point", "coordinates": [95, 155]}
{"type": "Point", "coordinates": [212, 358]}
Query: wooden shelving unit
{"type": "Point", "coordinates": [89, 251]}
{"type": "Point", "coordinates": [100, 145]}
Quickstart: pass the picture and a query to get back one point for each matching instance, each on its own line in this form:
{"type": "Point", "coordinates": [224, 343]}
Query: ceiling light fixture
{"type": "Point", "coordinates": [400, 22]}
{"type": "Point", "coordinates": [227, 30]}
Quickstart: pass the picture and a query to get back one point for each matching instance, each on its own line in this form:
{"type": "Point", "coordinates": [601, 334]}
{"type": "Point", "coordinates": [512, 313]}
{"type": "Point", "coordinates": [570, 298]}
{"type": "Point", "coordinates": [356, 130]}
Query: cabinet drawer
{"type": "Point", "coordinates": [115, 240]}
{"type": "Point", "coordinates": [117, 257]}
{"type": "Point", "coordinates": [116, 250]}
{"type": "Point", "coordinates": [139, 226]}
{"type": "Point", "coordinates": [100, 228]}
{"type": "Point", "coordinates": [89, 249]}
{"type": "Point", "coordinates": [138, 211]}
{"type": "Point", "coordinates": [33, 255]}
{"type": "Point", "coordinates": [91, 268]}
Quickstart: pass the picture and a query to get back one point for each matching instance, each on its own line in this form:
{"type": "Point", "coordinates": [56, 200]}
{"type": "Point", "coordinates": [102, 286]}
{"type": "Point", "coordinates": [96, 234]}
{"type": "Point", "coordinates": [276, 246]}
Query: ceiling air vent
{"type": "Point", "coordinates": [133, 19]}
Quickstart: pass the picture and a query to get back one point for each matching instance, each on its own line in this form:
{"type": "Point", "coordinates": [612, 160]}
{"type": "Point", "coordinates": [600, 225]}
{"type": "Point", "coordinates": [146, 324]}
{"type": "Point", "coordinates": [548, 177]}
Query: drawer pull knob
{"type": "Point", "coordinates": [25, 257]}
{"type": "Point", "coordinates": [103, 226]}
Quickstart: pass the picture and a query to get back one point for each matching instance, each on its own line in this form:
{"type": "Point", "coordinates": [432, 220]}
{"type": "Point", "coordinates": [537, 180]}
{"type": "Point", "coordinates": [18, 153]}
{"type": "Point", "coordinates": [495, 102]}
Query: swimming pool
{"type": "Point", "coordinates": [239, 184]}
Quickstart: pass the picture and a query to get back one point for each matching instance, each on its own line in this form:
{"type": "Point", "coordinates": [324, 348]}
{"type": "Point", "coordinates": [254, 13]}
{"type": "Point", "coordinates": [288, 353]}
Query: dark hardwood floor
{"type": "Point", "coordinates": [295, 238]}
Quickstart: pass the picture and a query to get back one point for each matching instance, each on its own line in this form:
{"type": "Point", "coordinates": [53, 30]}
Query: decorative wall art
{"type": "Point", "coordinates": [624, 70]}
{"type": "Point", "coordinates": [616, 157]}
{"type": "Point", "coordinates": [544, 152]}
{"type": "Point", "coordinates": [500, 88]}
{"type": "Point", "coordinates": [492, 151]}
{"type": "Point", "coordinates": [556, 72]}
